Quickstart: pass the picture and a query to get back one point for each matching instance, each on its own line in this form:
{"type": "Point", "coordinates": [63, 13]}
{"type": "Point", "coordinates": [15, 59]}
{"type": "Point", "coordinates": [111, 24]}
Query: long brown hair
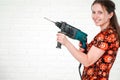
{"type": "Point", "coordinates": [110, 7]}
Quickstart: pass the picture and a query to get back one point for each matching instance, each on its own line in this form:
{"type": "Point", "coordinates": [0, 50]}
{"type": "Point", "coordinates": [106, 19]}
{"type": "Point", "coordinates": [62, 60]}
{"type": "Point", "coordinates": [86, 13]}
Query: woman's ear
{"type": "Point", "coordinates": [111, 14]}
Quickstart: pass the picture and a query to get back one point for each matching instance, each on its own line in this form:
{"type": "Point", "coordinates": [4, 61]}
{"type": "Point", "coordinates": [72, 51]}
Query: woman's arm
{"type": "Point", "coordinates": [85, 58]}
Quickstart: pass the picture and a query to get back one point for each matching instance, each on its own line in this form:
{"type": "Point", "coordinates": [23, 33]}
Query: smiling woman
{"type": "Point", "coordinates": [27, 41]}
{"type": "Point", "coordinates": [108, 39]}
{"type": "Point", "coordinates": [100, 16]}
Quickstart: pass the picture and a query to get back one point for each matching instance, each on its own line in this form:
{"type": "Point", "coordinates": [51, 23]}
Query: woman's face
{"type": "Point", "coordinates": [100, 16]}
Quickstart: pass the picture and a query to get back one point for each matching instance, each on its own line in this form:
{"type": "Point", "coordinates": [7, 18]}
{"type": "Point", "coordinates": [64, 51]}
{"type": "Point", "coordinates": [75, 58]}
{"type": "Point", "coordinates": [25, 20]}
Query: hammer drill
{"type": "Point", "coordinates": [71, 32]}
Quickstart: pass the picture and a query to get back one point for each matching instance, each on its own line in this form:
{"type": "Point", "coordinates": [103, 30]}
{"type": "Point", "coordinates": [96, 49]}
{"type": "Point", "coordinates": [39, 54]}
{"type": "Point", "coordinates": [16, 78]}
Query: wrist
{"type": "Point", "coordinates": [67, 43]}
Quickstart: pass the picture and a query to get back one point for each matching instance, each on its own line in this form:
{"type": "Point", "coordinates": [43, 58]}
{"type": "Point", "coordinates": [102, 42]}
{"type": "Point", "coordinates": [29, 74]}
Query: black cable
{"type": "Point", "coordinates": [79, 70]}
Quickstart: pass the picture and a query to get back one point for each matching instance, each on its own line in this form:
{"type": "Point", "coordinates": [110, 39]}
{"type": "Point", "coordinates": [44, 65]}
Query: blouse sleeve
{"type": "Point", "coordinates": [105, 39]}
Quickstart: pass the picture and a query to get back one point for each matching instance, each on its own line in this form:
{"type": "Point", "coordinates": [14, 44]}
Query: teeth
{"type": "Point", "coordinates": [97, 20]}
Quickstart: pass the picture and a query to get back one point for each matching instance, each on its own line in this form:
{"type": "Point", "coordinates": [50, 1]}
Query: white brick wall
{"type": "Point", "coordinates": [27, 41]}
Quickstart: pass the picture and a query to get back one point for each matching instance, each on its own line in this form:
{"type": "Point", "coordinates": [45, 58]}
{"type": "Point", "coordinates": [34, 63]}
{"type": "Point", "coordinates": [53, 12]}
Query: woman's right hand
{"type": "Point", "coordinates": [80, 47]}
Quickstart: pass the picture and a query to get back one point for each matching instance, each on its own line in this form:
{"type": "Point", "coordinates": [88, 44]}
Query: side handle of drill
{"type": "Point", "coordinates": [58, 43]}
{"type": "Point", "coordinates": [62, 27]}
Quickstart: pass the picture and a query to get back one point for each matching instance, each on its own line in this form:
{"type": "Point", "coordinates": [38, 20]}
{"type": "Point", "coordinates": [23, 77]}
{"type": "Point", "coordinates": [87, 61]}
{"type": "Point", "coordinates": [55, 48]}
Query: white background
{"type": "Point", "coordinates": [28, 41]}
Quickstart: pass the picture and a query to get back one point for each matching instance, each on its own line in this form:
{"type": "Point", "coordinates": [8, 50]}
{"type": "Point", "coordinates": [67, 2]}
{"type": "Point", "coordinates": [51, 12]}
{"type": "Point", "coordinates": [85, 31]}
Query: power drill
{"type": "Point", "coordinates": [71, 32]}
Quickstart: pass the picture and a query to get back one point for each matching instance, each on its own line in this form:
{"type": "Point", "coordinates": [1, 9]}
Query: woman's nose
{"type": "Point", "coordinates": [95, 16]}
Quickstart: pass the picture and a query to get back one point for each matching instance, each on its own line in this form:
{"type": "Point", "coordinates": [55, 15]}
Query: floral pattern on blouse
{"type": "Point", "coordinates": [106, 40]}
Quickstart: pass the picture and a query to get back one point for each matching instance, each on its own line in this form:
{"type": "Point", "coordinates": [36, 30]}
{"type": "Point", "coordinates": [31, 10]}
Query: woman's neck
{"type": "Point", "coordinates": [103, 27]}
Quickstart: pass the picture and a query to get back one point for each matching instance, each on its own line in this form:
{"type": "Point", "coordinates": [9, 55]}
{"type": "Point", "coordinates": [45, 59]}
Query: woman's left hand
{"type": "Point", "coordinates": [62, 38]}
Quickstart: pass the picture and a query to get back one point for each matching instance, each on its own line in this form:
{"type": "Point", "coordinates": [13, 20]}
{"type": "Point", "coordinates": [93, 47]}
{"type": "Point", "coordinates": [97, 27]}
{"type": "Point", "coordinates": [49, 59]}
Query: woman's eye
{"type": "Point", "coordinates": [93, 12]}
{"type": "Point", "coordinates": [100, 12]}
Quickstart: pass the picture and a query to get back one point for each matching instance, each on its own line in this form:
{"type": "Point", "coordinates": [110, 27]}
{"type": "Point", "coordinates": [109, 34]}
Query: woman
{"type": "Point", "coordinates": [102, 50]}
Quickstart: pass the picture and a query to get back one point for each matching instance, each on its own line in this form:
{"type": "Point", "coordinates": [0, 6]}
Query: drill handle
{"type": "Point", "coordinates": [84, 45]}
{"type": "Point", "coordinates": [58, 43]}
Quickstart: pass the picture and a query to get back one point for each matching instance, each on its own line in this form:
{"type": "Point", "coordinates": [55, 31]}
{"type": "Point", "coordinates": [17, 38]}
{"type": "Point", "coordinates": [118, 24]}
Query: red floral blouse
{"type": "Point", "coordinates": [106, 40]}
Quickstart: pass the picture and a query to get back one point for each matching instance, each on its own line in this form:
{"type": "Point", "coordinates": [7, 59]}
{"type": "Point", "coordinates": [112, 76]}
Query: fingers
{"type": "Point", "coordinates": [80, 44]}
{"type": "Point", "coordinates": [60, 35]}
{"type": "Point", "coordinates": [81, 49]}
{"type": "Point", "coordinates": [61, 38]}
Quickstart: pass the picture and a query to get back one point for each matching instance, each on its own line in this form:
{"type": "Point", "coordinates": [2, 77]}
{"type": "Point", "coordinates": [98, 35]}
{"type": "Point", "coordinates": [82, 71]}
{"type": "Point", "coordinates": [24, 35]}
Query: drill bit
{"type": "Point", "coordinates": [48, 19]}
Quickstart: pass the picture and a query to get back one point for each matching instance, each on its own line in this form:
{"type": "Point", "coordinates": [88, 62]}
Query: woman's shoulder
{"type": "Point", "coordinates": [109, 34]}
